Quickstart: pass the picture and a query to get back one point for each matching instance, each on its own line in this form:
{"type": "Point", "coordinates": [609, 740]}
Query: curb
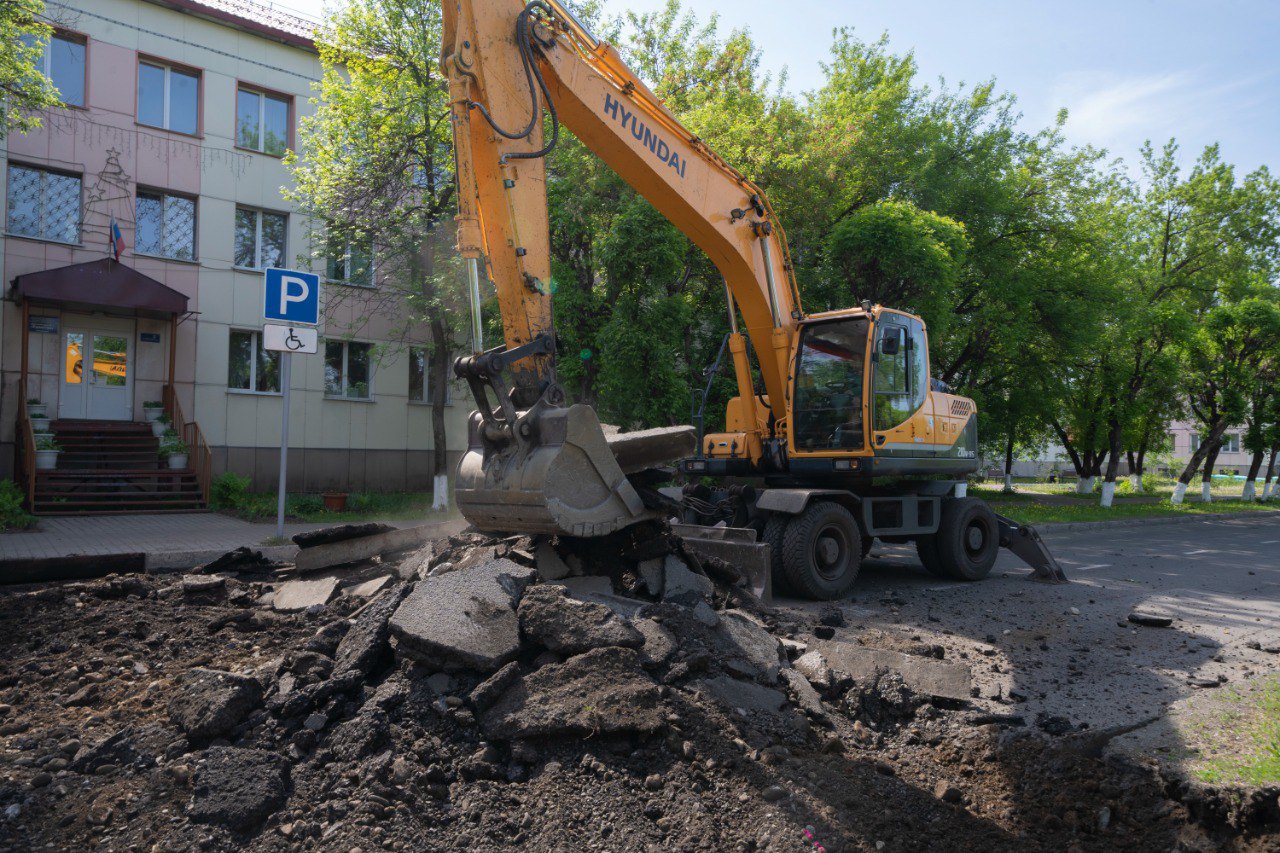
{"type": "Point", "coordinates": [162, 562]}
{"type": "Point", "coordinates": [1070, 526]}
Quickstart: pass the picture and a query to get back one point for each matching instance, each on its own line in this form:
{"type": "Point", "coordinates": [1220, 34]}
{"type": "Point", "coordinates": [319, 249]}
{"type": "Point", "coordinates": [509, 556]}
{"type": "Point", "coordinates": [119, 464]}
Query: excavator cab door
{"type": "Point", "coordinates": [902, 414]}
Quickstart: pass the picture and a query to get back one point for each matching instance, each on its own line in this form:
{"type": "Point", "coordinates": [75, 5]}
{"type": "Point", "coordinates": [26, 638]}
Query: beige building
{"type": "Point", "coordinates": [177, 117]}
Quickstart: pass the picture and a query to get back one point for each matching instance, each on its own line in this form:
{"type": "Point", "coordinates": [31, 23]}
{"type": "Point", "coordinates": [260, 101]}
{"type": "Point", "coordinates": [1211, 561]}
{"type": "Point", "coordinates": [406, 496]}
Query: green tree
{"type": "Point", "coordinates": [24, 90]}
{"type": "Point", "coordinates": [375, 169]}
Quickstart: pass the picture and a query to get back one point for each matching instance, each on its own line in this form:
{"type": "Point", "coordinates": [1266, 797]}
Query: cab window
{"type": "Point", "coordinates": [901, 371]}
{"type": "Point", "coordinates": [829, 376]}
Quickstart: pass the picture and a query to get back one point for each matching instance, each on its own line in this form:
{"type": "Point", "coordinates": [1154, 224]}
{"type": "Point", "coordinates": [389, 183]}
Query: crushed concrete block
{"type": "Point", "coordinates": [369, 588]}
{"type": "Point", "coordinates": [200, 584]}
{"type": "Point", "coordinates": [814, 667]}
{"type": "Point", "coordinates": [705, 614]}
{"type": "Point", "coordinates": [490, 690]}
{"type": "Point", "coordinates": [365, 645]}
{"type": "Point", "coordinates": [239, 788]}
{"type": "Point", "coordinates": [339, 533]}
{"type": "Point", "coordinates": [601, 692]}
{"type": "Point", "coordinates": [550, 566]}
{"type": "Point", "coordinates": [208, 702]}
{"type": "Point", "coordinates": [299, 595]}
{"type": "Point", "coordinates": [465, 619]}
{"type": "Point", "coordinates": [549, 617]}
{"type": "Point", "coordinates": [651, 575]}
{"type": "Point", "coordinates": [682, 585]}
{"type": "Point", "coordinates": [745, 695]}
{"type": "Point", "coordinates": [925, 676]}
{"type": "Point", "coordinates": [806, 697]}
{"type": "Point", "coordinates": [741, 637]}
{"type": "Point", "coordinates": [659, 644]}
{"type": "Point", "coordinates": [599, 590]}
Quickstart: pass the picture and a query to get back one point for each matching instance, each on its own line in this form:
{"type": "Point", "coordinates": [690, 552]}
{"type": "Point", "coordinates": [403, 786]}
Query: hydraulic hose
{"type": "Point", "coordinates": [524, 42]}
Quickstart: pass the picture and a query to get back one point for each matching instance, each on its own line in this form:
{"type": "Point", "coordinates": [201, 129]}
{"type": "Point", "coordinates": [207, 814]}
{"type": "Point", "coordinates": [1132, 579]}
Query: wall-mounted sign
{"type": "Point", "coordinates": [43, 325]}
{"type": "Point", "coordinates": [151, 337]}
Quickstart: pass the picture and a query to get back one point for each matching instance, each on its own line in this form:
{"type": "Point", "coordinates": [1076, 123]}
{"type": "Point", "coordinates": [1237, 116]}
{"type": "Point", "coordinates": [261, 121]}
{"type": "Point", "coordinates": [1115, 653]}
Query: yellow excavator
{"type": "Point", "coordinates": [847, 440]}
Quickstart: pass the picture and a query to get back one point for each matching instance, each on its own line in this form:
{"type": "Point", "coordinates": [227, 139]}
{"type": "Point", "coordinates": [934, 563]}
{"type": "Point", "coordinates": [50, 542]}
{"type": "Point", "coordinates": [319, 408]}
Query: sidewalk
{"type": "Point", "coordinates": [178, 540]}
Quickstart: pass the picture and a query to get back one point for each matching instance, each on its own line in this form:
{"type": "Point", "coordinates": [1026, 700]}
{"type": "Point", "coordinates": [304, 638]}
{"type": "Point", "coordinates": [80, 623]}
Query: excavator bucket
{"type": "Point", "coordinates": [563, 475]}
{"type": "Point", "coordinates": [1027, 545]}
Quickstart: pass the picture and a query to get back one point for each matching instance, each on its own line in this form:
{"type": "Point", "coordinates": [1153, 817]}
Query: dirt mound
{"type": "Point", "coordinates": [548, 694]}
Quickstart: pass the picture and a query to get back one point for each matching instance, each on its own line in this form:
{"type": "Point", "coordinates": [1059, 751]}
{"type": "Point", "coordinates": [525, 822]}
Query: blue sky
{"type": "Point", "coordinates": [1127, 70]}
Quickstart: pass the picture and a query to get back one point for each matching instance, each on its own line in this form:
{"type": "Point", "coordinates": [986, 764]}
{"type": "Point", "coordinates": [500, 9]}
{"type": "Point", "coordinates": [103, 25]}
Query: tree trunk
{"type": "Point", "coordinates": [1070, 448]}
{"type": "Point", "coordinates": [1008, 462]}
{"type": "Point", "coordinates": [1251, 481]}
{"type": "Point", "coordinates": [1193, 464]}
{"type": "Point", "coordinates": [1269, 489]}
{"type": "Point", "coordinates": [1206, 476]}
{"type": "Point", "coordinates": [439, 399]}
{"type": "Point", "coordinates": [1114, 437]}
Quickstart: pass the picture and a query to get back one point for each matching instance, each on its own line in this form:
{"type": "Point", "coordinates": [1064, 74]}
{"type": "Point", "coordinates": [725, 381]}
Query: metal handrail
{"type": "Point", "coordinates": [199, 456]}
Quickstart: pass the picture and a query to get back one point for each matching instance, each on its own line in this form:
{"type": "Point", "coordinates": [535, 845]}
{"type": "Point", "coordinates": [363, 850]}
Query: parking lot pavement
{"type": "Point", "coordinates": [1069, 649]}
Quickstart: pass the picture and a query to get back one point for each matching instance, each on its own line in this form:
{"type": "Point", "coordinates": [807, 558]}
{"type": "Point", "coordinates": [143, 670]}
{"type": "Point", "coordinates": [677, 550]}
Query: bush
{"type": "Point", "coordinates": [304, 504]}
{"type": "Point", "coordinates": [12, 515]}
{"type": "Point", "coordinates": [229, 490]}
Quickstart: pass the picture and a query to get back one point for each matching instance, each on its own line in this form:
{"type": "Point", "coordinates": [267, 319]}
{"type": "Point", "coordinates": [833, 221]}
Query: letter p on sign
{"type": "Point", "coordinates": [291, 296]}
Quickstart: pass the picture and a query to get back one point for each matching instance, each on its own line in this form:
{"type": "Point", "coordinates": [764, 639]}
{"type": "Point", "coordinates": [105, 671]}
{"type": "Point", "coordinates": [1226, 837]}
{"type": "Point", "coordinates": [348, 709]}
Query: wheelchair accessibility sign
{"type": "Point", "coordinates": [289, 338]}
{"type": "Point", "coordinates": [291, 296]}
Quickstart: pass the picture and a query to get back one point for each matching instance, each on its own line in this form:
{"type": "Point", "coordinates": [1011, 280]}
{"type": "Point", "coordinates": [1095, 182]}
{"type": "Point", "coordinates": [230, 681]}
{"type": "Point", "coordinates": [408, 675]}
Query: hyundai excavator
{"type": "Point", "coordinates": [848, 439]}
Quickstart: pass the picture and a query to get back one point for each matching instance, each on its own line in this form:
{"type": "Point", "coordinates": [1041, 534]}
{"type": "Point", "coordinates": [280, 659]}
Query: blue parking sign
{"type": "Point", "coordinates": [291, 296]}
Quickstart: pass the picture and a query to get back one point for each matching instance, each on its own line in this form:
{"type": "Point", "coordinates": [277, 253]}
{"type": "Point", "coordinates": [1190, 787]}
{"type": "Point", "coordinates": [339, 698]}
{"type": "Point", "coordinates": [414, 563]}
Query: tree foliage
{"type": "Point", "coordinates": [25, 92]}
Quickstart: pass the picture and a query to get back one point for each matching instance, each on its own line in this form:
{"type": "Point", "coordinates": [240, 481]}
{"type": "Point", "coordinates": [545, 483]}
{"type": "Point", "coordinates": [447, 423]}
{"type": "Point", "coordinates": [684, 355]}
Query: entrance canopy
{"type": "Point", "coordinates": [102, 284]}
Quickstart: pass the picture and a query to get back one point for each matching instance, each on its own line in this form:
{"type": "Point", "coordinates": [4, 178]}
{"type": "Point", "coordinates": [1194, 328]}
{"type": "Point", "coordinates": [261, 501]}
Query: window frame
{"type": "Point", "coordinates": [257, 238]}
{"type": "Point", "coordinates": [346, 371]}
{"type": "Point", "coordinates": [46, 63]}
{"type": "Point", "coordinates": [426, 383]}
{"type": "Point", "coordinates": [255, 338]}
{"type": "Point", "coordinates": [263, 92]}
{"type": "Point", "coordinates": [79, 241]}
{"type": "Point", "coordinates": [1230, 443]}
{"type": "Point", "coordinates": [195, 225]}
{"type": "Point", "coordinates": [346, 260]}
{"type": "Point", "coordinates": [168, 66]}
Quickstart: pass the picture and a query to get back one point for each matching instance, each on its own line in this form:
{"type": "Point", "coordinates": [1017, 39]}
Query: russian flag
{"type": "Point", "coordinates": [115, 240]}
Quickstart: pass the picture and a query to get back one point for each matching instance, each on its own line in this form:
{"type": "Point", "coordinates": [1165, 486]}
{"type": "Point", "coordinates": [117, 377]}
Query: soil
{"type": "Point", "coordinates": [91, 756]}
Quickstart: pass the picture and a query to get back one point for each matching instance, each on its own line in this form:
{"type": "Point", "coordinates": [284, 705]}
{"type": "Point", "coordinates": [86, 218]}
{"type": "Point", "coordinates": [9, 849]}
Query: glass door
{"type": "Point", "coordinates": [73, 398]}
{"type": "Point", "coordinates": [110, 395]}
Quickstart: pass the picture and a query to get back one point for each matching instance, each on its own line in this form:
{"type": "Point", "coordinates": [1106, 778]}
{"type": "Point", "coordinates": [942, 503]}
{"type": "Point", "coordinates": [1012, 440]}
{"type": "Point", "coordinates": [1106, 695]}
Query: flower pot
{"type": "Point", "coordinates": [158, 429]}
{"type": "Point", "coordinates": [177, 460]}
{"type": "Point", "coordinates": [335, 501]}
{"type": "Point", "coordinates": [39, 424]}
{"type": "Point", "coordinates": [151, 414]}
{"type": "Point", "coordinates": [47, 460]}
{"type": "Point", "coordinates": [37, 410]}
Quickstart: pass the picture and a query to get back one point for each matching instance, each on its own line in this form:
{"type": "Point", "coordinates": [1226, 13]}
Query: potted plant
{"type": "Point", "coordinates": [174, 449]}
{"type": "Point", "coordinates": [47, 451]}
{"type": "Point", "coordinates": [36, 409]}
{"type": "Point", "coordinates": [160, 425]}
{"type": "Point", "coordinates": [152, 409]}
{"type": "Point", "coordinates": [335, 501]}
{"type": "Point", "coordinates": [39, 422]}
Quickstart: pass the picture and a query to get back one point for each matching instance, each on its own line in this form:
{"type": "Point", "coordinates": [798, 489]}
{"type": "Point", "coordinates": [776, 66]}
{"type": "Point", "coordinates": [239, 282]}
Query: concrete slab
{"type": "Point", "coordinates": [923, 675]}
{"type": "Point", "coordinates": [744, 695]}
{"type": "Point", "coordinates": [682, 585]}
{"type": "Point", "coordinates": [301, 594]}
{"type": "Point", "coordinates": [367, 547]}
{"type": "Point", "coordinates": [369, 588]}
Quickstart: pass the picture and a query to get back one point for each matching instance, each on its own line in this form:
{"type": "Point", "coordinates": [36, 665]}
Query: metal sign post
{"type": "Point", "coordinates": [292, 299]}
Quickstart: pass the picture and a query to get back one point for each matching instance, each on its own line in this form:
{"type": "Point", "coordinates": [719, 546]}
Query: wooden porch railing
{"type": "Point", "coordinates": [199, 457]}
{"type": "Point", "coordinates": [27, 439]}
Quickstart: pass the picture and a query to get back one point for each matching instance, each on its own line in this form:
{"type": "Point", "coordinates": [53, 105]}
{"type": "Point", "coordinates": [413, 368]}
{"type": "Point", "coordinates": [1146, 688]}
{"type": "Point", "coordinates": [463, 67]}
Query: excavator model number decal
{"type": "Point", "coordinates": [641, 132]}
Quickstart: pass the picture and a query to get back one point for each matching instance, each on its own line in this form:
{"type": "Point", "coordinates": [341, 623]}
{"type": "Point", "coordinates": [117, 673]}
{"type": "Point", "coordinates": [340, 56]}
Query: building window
{"type": "Point", "coordinates": [350, 263]}
{"type": "Point", "coordinates": [347, 371]}
{"type": "Point", "coordinates": [1231, 443]}
{"type": "Point", "coordinates": [168, 97]}
{"type": "Point", "coordinates": [420, 390]}
{"type": "Point", "coordinates": [262, 121]}
{"type": "Point", "coordinates": [1195, 442]}
{"type": "Point", "coordinates": [260, 238]}
{"type": "Point", "coordinates": [166, 226]}
{"type": "Point", "coordinates": [63, 62]}
{"type": "Point", "coordinates": [251, 367]}
{"type": "Point", "coordinates": [43, 204]}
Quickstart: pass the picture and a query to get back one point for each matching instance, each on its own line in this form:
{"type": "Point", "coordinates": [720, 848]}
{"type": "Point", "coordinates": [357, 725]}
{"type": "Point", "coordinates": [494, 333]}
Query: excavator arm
{"type": "Point", "coordinates": [533, 463]}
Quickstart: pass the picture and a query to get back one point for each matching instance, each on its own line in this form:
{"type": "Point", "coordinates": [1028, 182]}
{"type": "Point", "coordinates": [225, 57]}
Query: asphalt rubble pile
{"type": "Point", "coordinates": [619, 693]}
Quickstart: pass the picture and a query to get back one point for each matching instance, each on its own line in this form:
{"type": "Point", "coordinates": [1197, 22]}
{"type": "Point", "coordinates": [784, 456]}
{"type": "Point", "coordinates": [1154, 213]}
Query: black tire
{"type": "Point", "coordinates": [927, 550]}
{"type": "Point", "coordinates": [822, 551]}
{"type": "Point", "coordinates": [967, 543]}
{"type": "Point", "coordinates": [775, 528]}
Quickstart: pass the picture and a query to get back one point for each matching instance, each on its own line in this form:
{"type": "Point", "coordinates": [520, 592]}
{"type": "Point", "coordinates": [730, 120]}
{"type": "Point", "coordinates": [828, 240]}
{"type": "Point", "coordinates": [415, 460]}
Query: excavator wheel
{"type": "Point", "coordinates": [822, 551]}
{"type": "Point", "coordinates": [966, 544]}
{"type": "Point", "coordinates": [775, 529]}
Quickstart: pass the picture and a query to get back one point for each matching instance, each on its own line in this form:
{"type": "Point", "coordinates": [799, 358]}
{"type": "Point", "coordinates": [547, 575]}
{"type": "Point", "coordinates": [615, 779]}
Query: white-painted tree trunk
{"type": "Point", "coordinates": [1084, 485]}
{"type": "Point", "coordinates": [1250, 490]}
{"type": "Point", "coordinates": [1135, 480]}
{"type": "Point", "coordinates": [440, 491]}
{"type": "Point", "coordinates": [1108, 493]}
{"type": "Point", "coordinates": [1206, 492]}
{"type": "Point", "coordinates": [1008, 482]}
{"type": "Point", "coordinates": [1268, 490]}
{"type": "Point", "coordinates": [1179, 493]}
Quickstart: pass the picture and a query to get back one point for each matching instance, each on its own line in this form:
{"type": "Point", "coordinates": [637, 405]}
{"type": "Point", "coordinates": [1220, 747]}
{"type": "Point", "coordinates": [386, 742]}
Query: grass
{"type": "Point", "coordinates": [1040, 502]}
{"type": "Point", "coordinates": [1250, 738]}
{"type": "Point", "coordinates": [361, 506]}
